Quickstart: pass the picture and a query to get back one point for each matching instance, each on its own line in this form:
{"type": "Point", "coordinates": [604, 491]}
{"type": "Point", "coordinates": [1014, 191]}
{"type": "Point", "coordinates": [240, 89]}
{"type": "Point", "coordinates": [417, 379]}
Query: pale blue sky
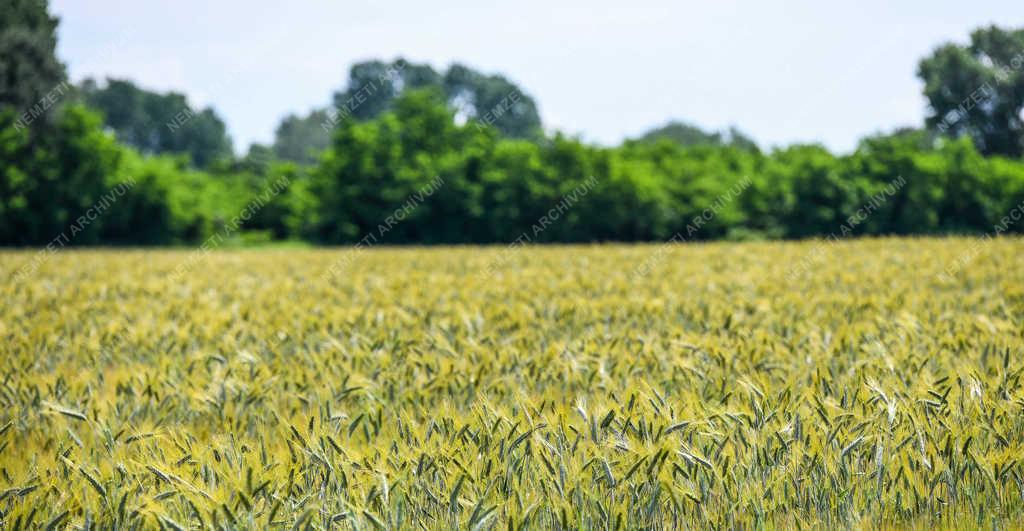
{"type": "Point", "coordinates": [797, 71]}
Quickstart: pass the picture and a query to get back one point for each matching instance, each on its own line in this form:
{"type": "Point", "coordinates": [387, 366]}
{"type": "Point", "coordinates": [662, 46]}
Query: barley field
{"type": "Point", "coordinates": [864, 384]}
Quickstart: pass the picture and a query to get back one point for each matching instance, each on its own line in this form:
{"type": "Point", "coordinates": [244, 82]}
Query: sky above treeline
{"type": "Point", "coordinates": [784, 72]}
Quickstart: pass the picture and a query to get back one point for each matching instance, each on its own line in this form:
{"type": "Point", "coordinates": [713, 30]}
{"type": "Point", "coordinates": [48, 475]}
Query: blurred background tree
{"type": "Point", "coordinates": [29, 68]}
{"type": "Point", "coordinates": [471, 93]}
{"type": "Point", "coordinates": [686, 134]}
{"type": "Point", "coordinates": [156, 123]}
{"type": "Point", "coordinates": [302, 138]}
{"type": "Point", "coordinates": [398, 128]}
{"type": "Point", "coordinates": [977, 90]}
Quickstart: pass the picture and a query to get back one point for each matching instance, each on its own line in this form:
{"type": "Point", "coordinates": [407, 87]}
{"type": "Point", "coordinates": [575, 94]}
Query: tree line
{"type": "Point", "coordinates": [398, 127]}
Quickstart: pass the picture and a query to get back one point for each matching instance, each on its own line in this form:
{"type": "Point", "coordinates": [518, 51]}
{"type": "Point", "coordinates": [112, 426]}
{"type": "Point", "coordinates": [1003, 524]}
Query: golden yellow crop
{"type": "Point", "coordinates": [854, 384]}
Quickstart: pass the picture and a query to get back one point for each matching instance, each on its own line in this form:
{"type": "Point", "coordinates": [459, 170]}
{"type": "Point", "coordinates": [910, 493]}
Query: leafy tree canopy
{"type": "Point", "coordinates": [29, 68]}
{"type": "Point", "coordinates": [686, 134]}
{"type": "Point", "coordinates": [977, 90]}
{"type": "Point", "coordinates": [156, 123]}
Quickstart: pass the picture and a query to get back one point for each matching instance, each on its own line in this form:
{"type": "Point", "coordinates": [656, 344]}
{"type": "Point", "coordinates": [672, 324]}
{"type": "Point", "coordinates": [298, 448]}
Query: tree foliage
{"type": "Point", "coordinates": [47, 181]}
{"type": "Point", "coordinates": [493, 100]}
{"type": "Point", "coordinates": [412, 155]}
{"type": "Point", "coordinates": [29, 68]}
{"type": "Point", "coordinates": [686, 134]}
{"type": "Point", "coordinates": [302, 138]}
{"type": "Point", "coordinates": [977, 90]}
{"type": "Point", "coordinates": [156, 123]}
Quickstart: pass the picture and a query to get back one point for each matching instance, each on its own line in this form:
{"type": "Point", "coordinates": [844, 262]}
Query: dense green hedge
{"type": "Point", "coordinates": [378, 180]}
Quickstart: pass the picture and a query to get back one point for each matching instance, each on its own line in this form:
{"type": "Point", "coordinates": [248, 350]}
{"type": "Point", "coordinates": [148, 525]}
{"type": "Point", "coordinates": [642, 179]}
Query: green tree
{"type": "Point", "coordinates": [816, 198]}
{"type": "Point", "coordinates": [373, 85]}
{"type": "Point", "coordinates": [301, 139]}
{"type": "Point", "coordinates": [156, 123]}
{"type": "Point", "coordinates": [29, 68]}
{"type": "Point", "coordinates": [686, 134]}
{"type": "Point", "coordinates": [492, 100]}
{"type": "Point", "coordinates": [682, 133]}
{"type": "Point", "coordinates": [489, 100]}
{"type": "Point", "coordinates": [978, 90]}
{"type": "Point", "coordinates": [945, 189]}
{"type": "Point", "coordinates": [897, 163]}
{"type": "Point", "coordinates": [372, 168]}
{"type": "Point", "coordinates": [47, 182]}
